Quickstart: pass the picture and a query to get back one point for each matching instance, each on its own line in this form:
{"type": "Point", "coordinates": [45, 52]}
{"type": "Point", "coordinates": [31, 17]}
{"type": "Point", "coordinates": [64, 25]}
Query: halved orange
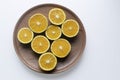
{"type": "Point", "coordinates": [57, 16]}
{"type": "Point", "coordinates": [38, 23]}
{"type": "Point", "coordinates": [70, 28]}
{"type": "Point", "coordinates": [61, 48]}
{"type": "Point", "coordinates": [53, 32]}
{"type": "Point", "coordinates": [40, 44]}
{"type": "Point", "coordinates": [25, 35]}
{"type": "Point", "coordinates": [47, 61]}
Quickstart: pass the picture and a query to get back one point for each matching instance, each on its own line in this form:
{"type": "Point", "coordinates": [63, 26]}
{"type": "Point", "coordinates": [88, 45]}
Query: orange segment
{"type": "Point", "coordinates": [47, 61]}
{"type": "Point", "coordinates": [60, 48]}
{"type": "Point", "coordinates": [40, 44]}
{"type": "Point", "coordinates": [53, 32]}
{"type": "Point", "coordinates": [25, 35]}
{"type": "Point", "coordinates": [38, 23]}
{"type": "Point", "coordinates": [57, 16]}
{"type": "Point", "coordinates": [70, 28]}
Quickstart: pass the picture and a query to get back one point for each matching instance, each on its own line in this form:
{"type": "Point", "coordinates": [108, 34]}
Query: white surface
{"type": "Point", "coordinates": [101, 58]}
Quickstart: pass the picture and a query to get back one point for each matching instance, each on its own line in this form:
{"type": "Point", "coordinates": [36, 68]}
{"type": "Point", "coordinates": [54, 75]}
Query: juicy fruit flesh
{"type": "Point", "coordinates": [57, 16]}
{"type": "Point", "coordinates": [40, 44]}
{"type": "Point", "coordinates": [38, 23]}
{"type": "Point", "coordinates": [53, 32]}
{"type": "Point", "coordinates": [47, 61]}
{"type": "Point", "coordinates": [61, 48]}
{"type": "Point", "coordinates": [70, 28]}
{"type": "Point", "coordinates": [25, 35]}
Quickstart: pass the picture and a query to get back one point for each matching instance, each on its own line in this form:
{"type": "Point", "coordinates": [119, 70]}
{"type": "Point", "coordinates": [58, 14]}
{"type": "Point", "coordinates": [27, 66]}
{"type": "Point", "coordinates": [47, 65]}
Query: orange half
{"type": "Point", "coordinates": [25, 35]}
{"type": "Point", "coordinates": [70, 28]}
{"type": "Point", "coordinates": [38, 23]}
{"type": "Point", "coordinates": [61, 48]}
{"type": "Point", "coordinates": [40, 44]}
{"type": "Point", "coordinates": [47, 61]}
{"type": "Point", "coordinates": [53, 32]}
{"type": "Point", "coordinates": [57, 16]}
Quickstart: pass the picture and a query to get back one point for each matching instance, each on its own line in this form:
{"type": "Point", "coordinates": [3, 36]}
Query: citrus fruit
{"type": "Point", "coordinates": [47, 61]}
{"type": "Point", "coordinates": [57, 16]}
{"type": "Point", "coordinates": [40, 44]}
{"type": "Point", "coordinates": [53, 32]}
{"type": "Point", "coordinates": [38, 23]}
{"type": "Point", "coordinates": [60, 48]}
{"type": "Point", "coordinates": [25, 35]}
{"type": "Point", "coordinates": [70, 28]}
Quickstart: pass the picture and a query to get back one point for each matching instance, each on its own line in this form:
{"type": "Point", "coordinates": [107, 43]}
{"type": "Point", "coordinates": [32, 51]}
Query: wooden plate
{"type": "Point", "coordinates": [30, 59]}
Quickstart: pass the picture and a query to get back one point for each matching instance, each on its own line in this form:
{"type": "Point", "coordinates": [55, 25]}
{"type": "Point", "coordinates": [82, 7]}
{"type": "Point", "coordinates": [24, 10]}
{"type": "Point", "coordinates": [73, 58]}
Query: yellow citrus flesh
{"type": "Point", "coordinates": [38, 23]}
{"type": "Point", "coordinates": [25, 35]}
{"type": "Point", "coordinates": [57, 16]}
{"type": "Point", "coordinates": [40, 44]}
{"type": "Point", "coordinates": [47, 61]}
{"type": "Point", "coordinates": [53, 32]}
{"type": "Point", "coordinates": [70, 28]}
{"type": "Point", "coordinates": [61, 48]}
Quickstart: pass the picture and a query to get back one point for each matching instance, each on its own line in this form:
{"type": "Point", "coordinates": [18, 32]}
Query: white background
{"type": "Point", "coordinates": [101, 58]}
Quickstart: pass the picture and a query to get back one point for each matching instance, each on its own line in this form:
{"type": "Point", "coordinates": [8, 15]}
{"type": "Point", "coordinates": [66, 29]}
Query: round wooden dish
{"type": "Point", "coordinates": [30, 59]}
